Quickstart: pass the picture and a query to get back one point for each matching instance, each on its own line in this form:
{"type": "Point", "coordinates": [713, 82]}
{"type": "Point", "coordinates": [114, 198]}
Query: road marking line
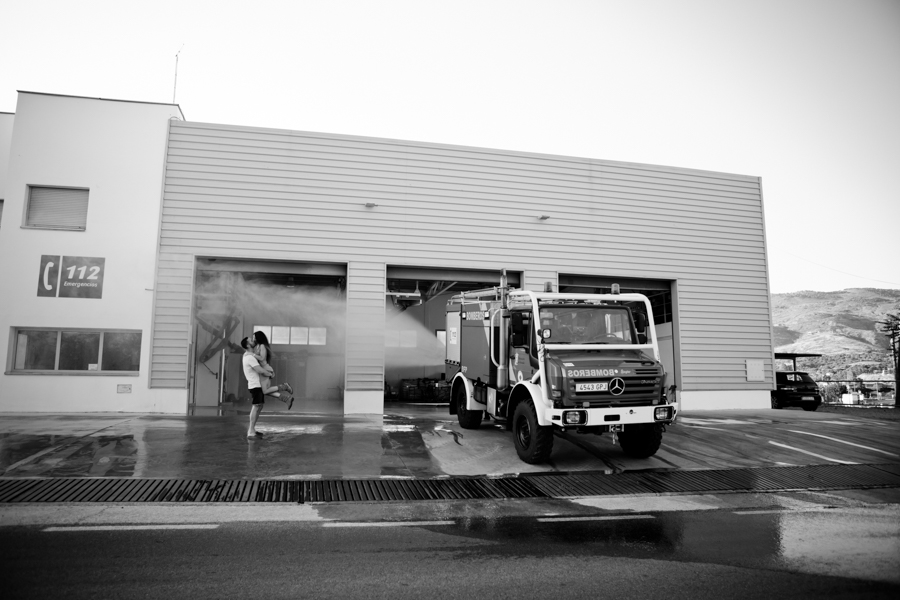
{"type": "Point", "coordinates": [32, 457]}
{"type": "Point", "coordinates": [774, 511]}
{"type": "Point", "coordinates": [845, 442]}
{"type": "Point", "coordinates": [389, 524]}
{"type": "Point", "coordinates": [843, 462]}
{"type": "Point", "coordinates": [129, 527]}
{"type": "Point", "coordinates": [597, 518]}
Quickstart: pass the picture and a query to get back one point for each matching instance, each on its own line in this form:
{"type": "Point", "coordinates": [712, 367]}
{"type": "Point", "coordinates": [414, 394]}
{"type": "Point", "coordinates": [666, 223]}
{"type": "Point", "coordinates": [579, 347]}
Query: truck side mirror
{"type": "Point", "coordinates": [642, 338]}
{"type": "Point", "coordinates": [640, 321]}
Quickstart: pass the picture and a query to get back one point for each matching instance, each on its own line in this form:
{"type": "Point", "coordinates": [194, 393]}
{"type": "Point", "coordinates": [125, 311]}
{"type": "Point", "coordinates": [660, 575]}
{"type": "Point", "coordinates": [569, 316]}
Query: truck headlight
{"type": "Point", "coordinates": [662, 413]}
{"type": "Point", "coordinates": [554, 380]}
{"type": "Point", "coordinates": [574, 417]}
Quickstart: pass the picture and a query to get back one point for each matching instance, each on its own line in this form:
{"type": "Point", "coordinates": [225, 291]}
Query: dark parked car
{"type": "Point", "coordinates": [795, 389]}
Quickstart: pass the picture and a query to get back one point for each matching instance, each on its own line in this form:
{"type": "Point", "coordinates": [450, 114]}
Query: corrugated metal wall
{"type": "Point", "coordinates": [296, 196]}
{"type": "Point", "coordinates": [365, 326]}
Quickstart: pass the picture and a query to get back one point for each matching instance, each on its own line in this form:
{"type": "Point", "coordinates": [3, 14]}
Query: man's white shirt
{"type": "Point", "coordinates": [249, 361]}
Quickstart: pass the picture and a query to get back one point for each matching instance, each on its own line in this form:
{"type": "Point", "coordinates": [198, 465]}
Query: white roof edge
{"type": "Point", "coordinates": [103, 99]}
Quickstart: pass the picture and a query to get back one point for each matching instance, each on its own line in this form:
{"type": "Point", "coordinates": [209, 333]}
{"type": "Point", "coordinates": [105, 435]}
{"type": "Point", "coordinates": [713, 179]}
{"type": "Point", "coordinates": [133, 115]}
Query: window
{"type": "Point", "coordinates": [57, 208]}
{"type": "Point", "coordinates": [296, 336]}
{"type": "Point", "coordinates": [77, 351]}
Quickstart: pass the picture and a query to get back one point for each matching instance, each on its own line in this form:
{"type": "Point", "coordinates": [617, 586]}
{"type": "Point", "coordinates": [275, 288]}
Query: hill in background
{"type": "Point", "coordinates": [839, 325]}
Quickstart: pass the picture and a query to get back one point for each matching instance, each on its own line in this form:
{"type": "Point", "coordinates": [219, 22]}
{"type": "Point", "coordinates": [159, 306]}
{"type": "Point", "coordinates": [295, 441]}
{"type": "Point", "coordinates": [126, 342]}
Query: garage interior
{"type": "Point", "coordinates": [659, 292]}
{"type": "Point", "coordinates": [415, 321]}
{"type": "Point", "coordinates": [300, 307]}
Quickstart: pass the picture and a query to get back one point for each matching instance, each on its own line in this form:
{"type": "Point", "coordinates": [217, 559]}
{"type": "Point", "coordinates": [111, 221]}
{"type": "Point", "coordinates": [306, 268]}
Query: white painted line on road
{"type": "Point", "coordinates": [388, 524]}
{"type": "Point", "coordinates": [130, 527]}
{"type": "Point", "coordinates": [843, 462]}
{"type": "Point", "coordinates": [597, 518]}
{"type": "Point", "coordinates": [774, 511]}
{"type": "Point", "coordinates": [853, 423]}
{"type": "Point", "coordinates": [711, 428]}
{"type": "Point", "coordinates": [31, 458]}
{"type": "Point", "coordinates": [695, 420]}
{"type": "Point", "coordinates": [845, 442]}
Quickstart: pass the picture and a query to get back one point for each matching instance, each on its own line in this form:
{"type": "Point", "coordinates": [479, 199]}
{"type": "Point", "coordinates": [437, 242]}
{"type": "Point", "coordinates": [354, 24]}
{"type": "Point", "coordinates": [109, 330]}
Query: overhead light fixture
{"type": "Point", "coordinates": [544, 217]}
{"type": "Point", "coordinates": [371, 205]}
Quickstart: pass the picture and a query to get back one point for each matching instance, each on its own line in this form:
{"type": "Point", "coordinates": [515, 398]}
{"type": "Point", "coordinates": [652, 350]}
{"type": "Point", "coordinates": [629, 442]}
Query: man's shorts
{"type": "Point", "coordinates": [257, 395]}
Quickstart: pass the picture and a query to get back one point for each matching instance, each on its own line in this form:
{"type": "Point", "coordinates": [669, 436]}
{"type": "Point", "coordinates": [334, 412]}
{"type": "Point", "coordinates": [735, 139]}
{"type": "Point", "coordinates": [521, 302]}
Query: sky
{"type": "Point", "coordinates": [802, 93]}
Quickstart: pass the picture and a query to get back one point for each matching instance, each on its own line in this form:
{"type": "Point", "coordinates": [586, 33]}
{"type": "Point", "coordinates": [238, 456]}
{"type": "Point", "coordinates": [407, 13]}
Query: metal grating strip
{"type": "Point", "coordinates": [763, 479]}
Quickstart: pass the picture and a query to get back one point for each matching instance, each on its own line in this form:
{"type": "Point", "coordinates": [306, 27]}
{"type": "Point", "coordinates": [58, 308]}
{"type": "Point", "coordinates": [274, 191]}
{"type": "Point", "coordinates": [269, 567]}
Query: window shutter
{"type": "Point", "coordinates": [57, 207]}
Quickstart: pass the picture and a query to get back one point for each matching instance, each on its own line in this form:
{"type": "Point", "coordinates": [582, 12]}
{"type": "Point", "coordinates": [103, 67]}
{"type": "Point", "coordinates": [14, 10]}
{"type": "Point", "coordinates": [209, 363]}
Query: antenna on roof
{"type": "Point", "coordinates": [175, 87]}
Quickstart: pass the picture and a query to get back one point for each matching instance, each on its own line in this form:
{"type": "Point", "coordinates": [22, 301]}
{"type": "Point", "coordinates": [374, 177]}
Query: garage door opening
{"type": "Point", "coordinates": [659, 292]}
{"type": "Point", "coordinates": [415, 321]}
{"type": "Point", "coordinates": [302, 310]}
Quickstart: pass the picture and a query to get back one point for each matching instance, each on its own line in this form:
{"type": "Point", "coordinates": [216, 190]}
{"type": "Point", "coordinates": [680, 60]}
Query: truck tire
{"type": "Point", "coordinates": [641, 441]}
{"type": "Point", "coordinates": [534, 443]}
{"type": "Point", "coordinates": [468, 419]}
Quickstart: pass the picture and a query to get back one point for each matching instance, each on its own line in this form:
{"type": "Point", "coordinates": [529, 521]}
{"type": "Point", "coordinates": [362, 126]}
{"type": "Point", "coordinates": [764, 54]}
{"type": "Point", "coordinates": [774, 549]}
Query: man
{"type": "Point", "coordinates": [252, 371]}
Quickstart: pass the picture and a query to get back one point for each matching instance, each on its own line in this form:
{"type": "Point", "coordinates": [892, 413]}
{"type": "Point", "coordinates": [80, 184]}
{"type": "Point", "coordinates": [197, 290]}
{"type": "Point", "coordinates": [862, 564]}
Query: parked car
{"type": "Point", "coordinates": [795, 388]}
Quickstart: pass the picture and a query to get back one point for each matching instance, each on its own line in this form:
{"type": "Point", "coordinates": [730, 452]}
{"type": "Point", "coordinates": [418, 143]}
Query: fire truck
{"type": "Point", "coordinates": [541, 362]}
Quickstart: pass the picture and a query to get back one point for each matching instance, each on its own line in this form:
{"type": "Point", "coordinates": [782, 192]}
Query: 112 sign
{"type": "Point", "coordinates": [71, 276]}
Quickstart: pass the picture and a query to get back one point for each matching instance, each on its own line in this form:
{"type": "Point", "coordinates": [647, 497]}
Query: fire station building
{"type": "Point", "coordinates": [137, 248]}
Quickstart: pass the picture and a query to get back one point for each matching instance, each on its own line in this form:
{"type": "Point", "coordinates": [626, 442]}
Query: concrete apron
{"type": "Point", "coordinates": [408, 441]}
{"type": "Point", "coordinates": [422, 441]}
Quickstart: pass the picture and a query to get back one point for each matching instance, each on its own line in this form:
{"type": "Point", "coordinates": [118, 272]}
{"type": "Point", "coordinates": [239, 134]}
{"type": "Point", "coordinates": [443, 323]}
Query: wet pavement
{"type": "Point", "coordinates": [801, 543]}
{"type": "Point", "coordinates": [422, 441]}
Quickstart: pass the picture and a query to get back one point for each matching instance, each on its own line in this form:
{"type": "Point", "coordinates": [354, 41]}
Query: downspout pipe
{"type": "Point", "coordinates": [503, 366]}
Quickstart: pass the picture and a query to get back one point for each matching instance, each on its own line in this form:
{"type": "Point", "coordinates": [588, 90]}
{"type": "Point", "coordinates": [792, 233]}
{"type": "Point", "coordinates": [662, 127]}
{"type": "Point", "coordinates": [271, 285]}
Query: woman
{"type": "Point", "coordinates": [263, 353]}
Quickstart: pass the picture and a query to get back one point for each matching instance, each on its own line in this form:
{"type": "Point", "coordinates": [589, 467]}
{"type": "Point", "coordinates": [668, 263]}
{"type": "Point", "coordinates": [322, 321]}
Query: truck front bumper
{"type": "Point", "coordinates": [593, 417]}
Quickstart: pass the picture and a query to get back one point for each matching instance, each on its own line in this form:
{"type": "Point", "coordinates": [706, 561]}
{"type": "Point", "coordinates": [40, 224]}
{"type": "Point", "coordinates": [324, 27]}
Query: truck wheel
{"type": "Point", "coordinates": [534, 443]}
{"type": "Point", "coordinates": [641, 441]}
{"type": "Point", "coordinates": [468, 419]}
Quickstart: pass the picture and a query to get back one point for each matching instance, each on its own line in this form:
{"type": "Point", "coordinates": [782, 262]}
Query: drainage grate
{"type": "Point", "coordinates": [556, 485]}
{"type": "Point", "coordinates": [760, 479]}
{"type": "Point", "coordinates": [147, 490]}
{"type": "Point", "coordinates": [418, 489]}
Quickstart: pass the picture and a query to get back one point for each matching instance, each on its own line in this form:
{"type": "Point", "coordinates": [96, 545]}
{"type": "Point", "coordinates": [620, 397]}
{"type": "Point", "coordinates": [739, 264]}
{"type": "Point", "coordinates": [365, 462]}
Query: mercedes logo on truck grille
{"type": "Point", "coordinates": [617, 386]}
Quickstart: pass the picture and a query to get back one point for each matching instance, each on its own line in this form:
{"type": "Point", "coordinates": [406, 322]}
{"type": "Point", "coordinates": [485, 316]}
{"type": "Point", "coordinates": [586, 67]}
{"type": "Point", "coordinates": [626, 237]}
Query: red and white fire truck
{"type": "Point", "coordinates": [540, 361]}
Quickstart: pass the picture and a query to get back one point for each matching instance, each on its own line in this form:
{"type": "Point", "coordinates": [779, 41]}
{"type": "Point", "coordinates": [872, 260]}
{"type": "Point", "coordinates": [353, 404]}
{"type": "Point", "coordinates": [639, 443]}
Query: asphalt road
{"type": "Point", "coordinates": [771, 553]}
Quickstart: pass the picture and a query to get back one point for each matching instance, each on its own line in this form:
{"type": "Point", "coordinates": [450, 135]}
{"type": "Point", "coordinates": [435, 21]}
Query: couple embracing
{"type": "Point", "coordinates": [257, 355]}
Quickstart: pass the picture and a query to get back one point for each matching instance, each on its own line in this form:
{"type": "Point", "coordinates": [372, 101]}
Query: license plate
{"type": "Point", "coordinates": [592, 387]}
{"type": "Point", "coordinates": [807, 398]}
{"type": "Point", "coordinates": [617, 428]}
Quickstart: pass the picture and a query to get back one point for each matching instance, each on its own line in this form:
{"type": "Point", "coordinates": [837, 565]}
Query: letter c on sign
{"type": "Point", "coordinates": [47, 285]}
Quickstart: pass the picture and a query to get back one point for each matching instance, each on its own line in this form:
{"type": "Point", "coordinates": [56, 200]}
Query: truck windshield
{"type": "Point", "coordinates": [587, 325]}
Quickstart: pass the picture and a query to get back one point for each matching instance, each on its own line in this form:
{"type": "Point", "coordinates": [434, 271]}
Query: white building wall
{"type": "Point", "coordinates": [296, 196]}
{"type": "Point", "coordinates": [6, 129]}
{"type": "Point", "coordinates": [264, 194]}
{"type": "Point", "coordinates": [116, 149]}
